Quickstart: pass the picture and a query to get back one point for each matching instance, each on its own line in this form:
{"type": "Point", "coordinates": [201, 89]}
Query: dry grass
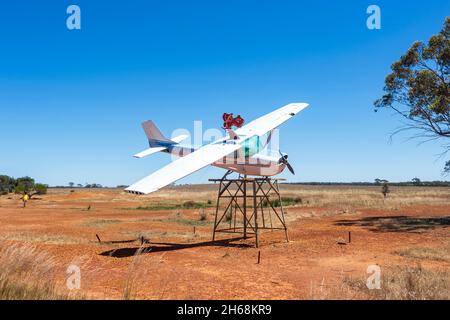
{"type": "Point", "coordinates": [423, 253]}
{"type": "Point", "coordinates": [156, 234]}
{"type": "Point", "coordinates": [336, 290]}
{"type": "Point", "coordinates": [30, 237]}
{"type": "Point", "coordinates": [337, 198]}
{"type": "Point", "coordinates": [135, 272]}
{"type": "Point", "coordinates": [311, 195]}
{"type": "Point", "coordinates": [138, 270]}
{"type": "Point", "coordinates": [27, 274]}
{"type": "Point", "coordinates": [185, 221]}
{"type": "Point", "coordinates": [100, 223]}
{"type": "Point", "coordinates": [399, 283]}
{"type": "Point", "coordinates": [170, 205]}
{"type": "Point", "coordinates": [407, 283]}
{"type": "Point", "coordinates": [367, 196]}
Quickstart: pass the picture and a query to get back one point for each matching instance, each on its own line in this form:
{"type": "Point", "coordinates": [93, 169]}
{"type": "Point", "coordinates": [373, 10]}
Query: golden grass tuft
{"type": "Point", "coordinates": [399, 283]}
{"type": "Point", "coordinates": [27, 274]}
{"type": "Point", "coordinates": [135, 271]}
{"type": "Point", "coordinates": [138, 271]}
{"type": "Point", "coordinates": [407, 283]}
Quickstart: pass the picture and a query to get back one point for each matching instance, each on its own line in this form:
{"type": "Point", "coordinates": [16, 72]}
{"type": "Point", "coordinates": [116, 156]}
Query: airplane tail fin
{"type": "Point", "coordinates": [155, 137]}
{"type": "Point", "coordinates": [157, 141]}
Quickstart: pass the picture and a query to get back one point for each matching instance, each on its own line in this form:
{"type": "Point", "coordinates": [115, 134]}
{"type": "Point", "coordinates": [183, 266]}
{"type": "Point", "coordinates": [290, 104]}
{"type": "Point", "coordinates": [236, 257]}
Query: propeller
{"type": "Point", "coordinates": [284, 160]}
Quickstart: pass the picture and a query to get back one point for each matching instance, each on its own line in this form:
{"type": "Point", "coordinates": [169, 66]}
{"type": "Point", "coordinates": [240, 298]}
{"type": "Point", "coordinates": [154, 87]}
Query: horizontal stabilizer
{"type": "Point", "coordinates": [148, 152]}
{"type": "Point", "coordinates": [179, 138]}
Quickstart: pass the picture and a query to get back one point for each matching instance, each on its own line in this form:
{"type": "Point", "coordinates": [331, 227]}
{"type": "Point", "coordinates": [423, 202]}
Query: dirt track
{"type": "Point", "coordinates": [178, 264]}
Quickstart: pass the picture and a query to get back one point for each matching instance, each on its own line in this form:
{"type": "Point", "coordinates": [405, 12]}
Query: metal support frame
{"type": "Point", "coordinates": [245, 203]}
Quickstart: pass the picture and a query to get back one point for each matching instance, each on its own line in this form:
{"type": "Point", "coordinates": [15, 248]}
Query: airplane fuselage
{"type": "Point", "coordinates": [246, 161]}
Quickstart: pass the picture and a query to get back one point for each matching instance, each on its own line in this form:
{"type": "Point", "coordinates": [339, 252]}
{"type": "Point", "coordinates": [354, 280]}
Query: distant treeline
{"type": "Point", "coordinates": [400, 184]}
{"type": "Point", "coordinates": [79, 185]}
{"type": "Point", "coordinates": [23, 185]}
{"type": "Point", "coordinates": [377, 182]}
{"type": "Point", "coordinates": [28, 185]}
{"type": "Point", "coordinates": [88, 186]}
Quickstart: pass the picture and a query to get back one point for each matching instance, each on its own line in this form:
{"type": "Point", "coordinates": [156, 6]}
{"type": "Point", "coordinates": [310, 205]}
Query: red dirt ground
{"type": "Point", "coordinates": [178, 264]}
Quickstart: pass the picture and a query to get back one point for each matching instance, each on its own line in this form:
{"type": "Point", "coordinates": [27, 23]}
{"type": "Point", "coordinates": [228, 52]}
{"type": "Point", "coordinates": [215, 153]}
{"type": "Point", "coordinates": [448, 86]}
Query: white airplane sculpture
{"type": "Point", "coordinates": [239, 152]}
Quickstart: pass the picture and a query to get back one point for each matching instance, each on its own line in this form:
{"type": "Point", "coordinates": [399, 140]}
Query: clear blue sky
{"type": "Point", "coordinates": [72, 101]}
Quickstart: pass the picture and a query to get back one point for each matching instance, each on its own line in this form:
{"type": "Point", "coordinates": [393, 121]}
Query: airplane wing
{"type": "Point", "coordinates": [182, 167]}
{"type": "Point", "coordinates": [271, 120]}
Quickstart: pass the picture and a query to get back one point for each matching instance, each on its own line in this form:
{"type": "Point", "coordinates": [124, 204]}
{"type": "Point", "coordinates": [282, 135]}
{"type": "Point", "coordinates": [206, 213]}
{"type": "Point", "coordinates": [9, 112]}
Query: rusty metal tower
{"type": "Point", "coordinates": [247, 205]}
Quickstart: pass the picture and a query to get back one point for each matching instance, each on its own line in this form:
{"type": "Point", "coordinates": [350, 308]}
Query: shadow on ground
{"type": "Point", "coordinates": [162, 247]}
{"type": "Point", "coordinates": [398, 223]}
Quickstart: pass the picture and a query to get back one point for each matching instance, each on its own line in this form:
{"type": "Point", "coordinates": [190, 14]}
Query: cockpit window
{"type": "Point", "coordinates": [252, 146]}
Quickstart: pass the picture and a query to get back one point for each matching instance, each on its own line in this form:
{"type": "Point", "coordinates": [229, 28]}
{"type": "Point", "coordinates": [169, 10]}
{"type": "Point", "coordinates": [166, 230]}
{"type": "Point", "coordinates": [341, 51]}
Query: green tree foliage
{"type": "Point", "coordinates": [378, 181]}
{"type": "Point", "coordinates": [24, 185]}
{"type": "Point", "coordinates": [7, 184]}
{"type": "Point", "coordinates": [21, 185]}
{"type": "Point", "coordinates": [93, 185]}
{"type": "Point", "coordinates": [40, 188]}
{"type": "Point", "coordinates": [418, 88]}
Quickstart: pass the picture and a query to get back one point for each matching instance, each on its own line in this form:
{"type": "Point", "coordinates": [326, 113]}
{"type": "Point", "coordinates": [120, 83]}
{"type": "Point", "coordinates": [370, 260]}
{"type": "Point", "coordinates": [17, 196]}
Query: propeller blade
{"type": "Point", "coordinates": [284, 160]}
{"type": "Point", "coordinates": [288, 165]}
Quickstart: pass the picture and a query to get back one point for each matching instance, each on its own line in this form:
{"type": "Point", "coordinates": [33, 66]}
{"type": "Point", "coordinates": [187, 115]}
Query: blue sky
{"type": "Point", "coordinates": [72, 102]}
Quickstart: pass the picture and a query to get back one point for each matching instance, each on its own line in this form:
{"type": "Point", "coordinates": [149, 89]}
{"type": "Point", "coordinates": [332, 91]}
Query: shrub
{"type": "Point", "coordinates": [189, 204]}
{"type": "Point", "coordinates": [203, 215]}
{"type": "Point", "coordinates": [228, 215]}
{"type": "Point", "coordinates": [285, 201]}
{"type": "Point", "coordinates": [385, 189]}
